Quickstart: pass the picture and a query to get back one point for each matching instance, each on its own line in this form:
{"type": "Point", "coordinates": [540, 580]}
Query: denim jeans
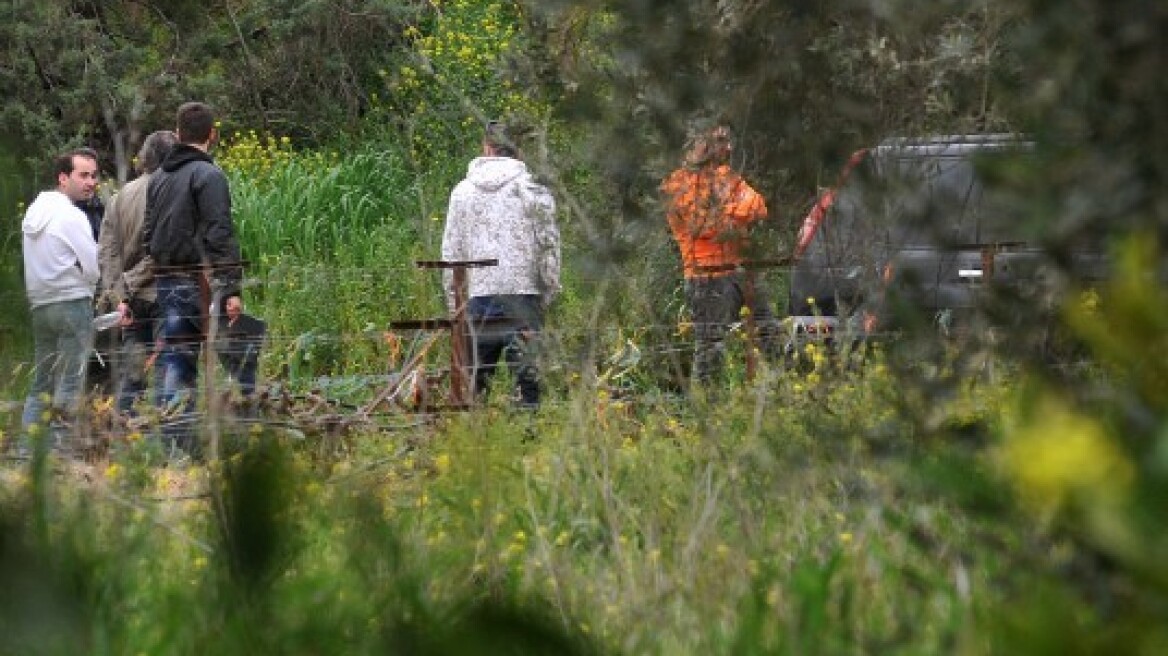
{"type": "Point", "coordinates": [62, 338]}
{"type": "Point", "coordinates": [716, 303]}
{"type": "Point", "coordinates": [512, 340]}
{"type": "Point", "coordinates": [180, 327]}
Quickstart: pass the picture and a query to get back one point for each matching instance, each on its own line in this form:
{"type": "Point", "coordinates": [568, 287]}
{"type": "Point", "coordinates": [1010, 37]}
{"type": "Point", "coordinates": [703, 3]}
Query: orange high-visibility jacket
{"type": "Point", "coordinates": [709, 210]}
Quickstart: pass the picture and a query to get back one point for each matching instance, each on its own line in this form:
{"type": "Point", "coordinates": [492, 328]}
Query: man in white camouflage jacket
{"type": "Point", "coordinates": [499, 211]}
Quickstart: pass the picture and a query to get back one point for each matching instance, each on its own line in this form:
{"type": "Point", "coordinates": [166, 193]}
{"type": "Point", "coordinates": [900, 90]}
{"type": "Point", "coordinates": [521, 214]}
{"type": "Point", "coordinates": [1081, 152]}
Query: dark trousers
{"type": "Point", "coordinates": [511, 336]}
{"type": "Point", "coordinates": [138, 344]}
{"type": "Point", "coordinates": [241, 361]}
{"type": "Point", "coordinates": [716, 303]}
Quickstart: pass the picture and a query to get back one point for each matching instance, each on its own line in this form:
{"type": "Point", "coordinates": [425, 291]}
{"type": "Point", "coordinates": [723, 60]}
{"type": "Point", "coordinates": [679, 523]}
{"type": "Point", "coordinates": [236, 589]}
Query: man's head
{"type": "Point", "coordinates": [196, 124]}
{"type": "Point", "coordinates": [498, 141]}
{"type": "Point", "coordinates": [77, 174]}
{"type": "Point", "coordinates": [154, 149]}
{"type": "Point", "coordinates": [709, 146]}
{"type": "Point", "coordinates": [234, 307]}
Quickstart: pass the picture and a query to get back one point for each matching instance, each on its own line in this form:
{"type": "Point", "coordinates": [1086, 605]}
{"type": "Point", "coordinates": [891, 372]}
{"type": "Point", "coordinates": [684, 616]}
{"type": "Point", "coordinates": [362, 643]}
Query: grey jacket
{"type": "Point", "coordinates": [126, 268]}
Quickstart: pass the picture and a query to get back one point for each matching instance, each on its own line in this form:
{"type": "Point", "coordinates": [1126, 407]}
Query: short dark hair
{"type": "Point", "coordinates": [195, 122]}
{"type": "Point", "coordinates": [63, 163]}
{"type": "Point", "coordinates": [155, 149]}
{"type": "Point", "coordinates": [500, 139]}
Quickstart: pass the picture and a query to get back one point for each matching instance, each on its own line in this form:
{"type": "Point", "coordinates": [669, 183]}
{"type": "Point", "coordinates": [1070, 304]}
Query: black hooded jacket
{"type": "Point", "coordinates": [188, 218]}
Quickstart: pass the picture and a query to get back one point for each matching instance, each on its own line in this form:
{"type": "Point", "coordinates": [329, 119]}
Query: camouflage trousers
{"type": "Point", "coordinates": [716, 303]}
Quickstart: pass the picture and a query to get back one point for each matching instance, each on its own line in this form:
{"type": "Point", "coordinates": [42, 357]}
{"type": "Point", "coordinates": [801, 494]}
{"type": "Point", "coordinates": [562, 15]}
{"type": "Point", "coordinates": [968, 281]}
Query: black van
{"type": "Point", "coordinates": [910, 225]}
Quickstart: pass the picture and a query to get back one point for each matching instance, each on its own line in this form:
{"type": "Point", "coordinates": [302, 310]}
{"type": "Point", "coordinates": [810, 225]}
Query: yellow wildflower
{"type": "Point", "coordinates": [1060, 454]}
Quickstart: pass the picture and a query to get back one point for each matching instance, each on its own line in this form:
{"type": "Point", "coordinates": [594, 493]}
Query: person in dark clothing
{"type": "Point", "coordinates": [240, 338]}
{"type": "Point", "coordinates": [94, 210]}
{"type": "Point", "coordinates": [188, 226]}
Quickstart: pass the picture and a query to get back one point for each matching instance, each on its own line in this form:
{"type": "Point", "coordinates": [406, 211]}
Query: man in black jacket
{"type": "Point", "coordinates": [240, 338]}
{"type": "Point", "coordinates": [187, 227]}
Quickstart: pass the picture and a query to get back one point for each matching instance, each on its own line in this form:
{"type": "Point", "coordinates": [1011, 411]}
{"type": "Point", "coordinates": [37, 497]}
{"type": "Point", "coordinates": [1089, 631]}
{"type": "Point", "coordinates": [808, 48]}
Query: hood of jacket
{"type": "Point", "coordinates": [47, 205]}
{"type": "Point", "coordinates": [493, 173]}
{"type": "Point", "coordinates": [181, 155]}
{"type": "Point", "coordinates": [59, 253]}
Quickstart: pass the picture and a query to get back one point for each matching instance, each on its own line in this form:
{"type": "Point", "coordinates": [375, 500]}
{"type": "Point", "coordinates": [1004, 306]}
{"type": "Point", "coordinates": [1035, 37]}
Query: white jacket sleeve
{"type": "Point", "coordinates": [547, 239]}
{"type": "Point", "coordinates": [453, 245]}
{"type": "Point", "coordinates": [79, 236]}
{"type": "Point", "coordinates": [87, 257]}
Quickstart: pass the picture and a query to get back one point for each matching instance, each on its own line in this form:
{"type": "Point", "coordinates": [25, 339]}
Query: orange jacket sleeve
{"type": "Point", "coordinates": [745, 205]}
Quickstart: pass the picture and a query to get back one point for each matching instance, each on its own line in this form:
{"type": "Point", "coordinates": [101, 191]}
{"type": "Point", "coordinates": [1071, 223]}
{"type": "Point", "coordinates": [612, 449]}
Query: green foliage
{"type": "Point", "coordinates": [448, 83]}
{"type": "Point", "coordinates": [14, 184]}
{"type": "Point", "coordinates": [936, 499]}
{"type": "Point", "coordinates": [593, 526]}
{"type": "Point", "coordinates": [319, 207]}
{"type": "Point", "coordinates": [310, 66]}
{"type": "Point", "coordinates": [257, 566]}
{"type": "Point", "coordinates": [109, 73]}
{"type": "Point", "coordinates": [103, 74]}
{"type": "Point", "coordinates": [331, 243]}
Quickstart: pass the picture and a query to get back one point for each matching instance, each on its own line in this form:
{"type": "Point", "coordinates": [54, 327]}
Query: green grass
{"type": "Point", "coordinates": [331, 241]}
{"type": "Point", "coordinates": [346, 209]}
{"type": "Point", "coordinates": [659, 528]}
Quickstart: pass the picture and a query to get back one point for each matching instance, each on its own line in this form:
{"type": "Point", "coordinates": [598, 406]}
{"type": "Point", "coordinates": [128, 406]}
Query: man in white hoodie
{"type": "Point", "coordinates": [60, 275]}
{"type": "Point", "coordinates": [499, 211]}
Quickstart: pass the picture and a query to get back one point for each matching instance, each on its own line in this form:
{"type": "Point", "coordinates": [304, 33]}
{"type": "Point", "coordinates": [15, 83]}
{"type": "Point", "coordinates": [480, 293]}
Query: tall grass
{"type": "Point", "coordinates": [331, 239]}
{"type": "Point", "coordinates": [751, 526]}
{"type": "Point", "coordinates": [348, 210]}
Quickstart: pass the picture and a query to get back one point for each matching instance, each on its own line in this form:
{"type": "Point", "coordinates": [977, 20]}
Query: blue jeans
{"type": "Point", "coordinates": [180, 327]}
{"type": "Point", "coordinates": [513, 341]}
{"type": "Point", "coordinates": [62, 338]}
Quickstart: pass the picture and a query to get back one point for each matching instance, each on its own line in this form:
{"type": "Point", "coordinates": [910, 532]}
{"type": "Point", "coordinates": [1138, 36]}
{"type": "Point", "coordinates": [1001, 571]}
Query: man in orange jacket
{"type": "Point", "coordinates": [710, 209]}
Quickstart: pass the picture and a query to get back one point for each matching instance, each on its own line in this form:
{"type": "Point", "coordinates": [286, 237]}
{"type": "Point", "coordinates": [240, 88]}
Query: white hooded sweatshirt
{"type": "Point", "coordinates": [60, 255]}
{"type": "Point", "coordinates": [499, 211]}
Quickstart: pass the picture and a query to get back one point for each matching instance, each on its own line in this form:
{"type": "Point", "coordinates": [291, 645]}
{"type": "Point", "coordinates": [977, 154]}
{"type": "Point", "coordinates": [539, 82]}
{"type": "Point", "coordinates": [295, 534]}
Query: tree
{"type": "Point", "coordinates": [106, 73]}
{"type": "Point", "coordinates": [805, 84]}
{"type": "Point", "coordinates": [309, 66]}
{"type": "Point", "coordinates": [99, 73]}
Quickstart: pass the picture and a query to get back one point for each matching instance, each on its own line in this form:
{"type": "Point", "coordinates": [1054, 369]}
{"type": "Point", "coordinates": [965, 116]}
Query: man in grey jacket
{"type": "Point", "coordinates": [60, 274]}
{"type": "Point", "coordinates": [127, 277]}
{"type": "Point", "coordinates": [500, 212]}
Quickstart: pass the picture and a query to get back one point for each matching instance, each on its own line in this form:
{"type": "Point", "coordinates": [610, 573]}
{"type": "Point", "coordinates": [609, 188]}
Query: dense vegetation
{"type": "Point", "coordinates": [923, 498]}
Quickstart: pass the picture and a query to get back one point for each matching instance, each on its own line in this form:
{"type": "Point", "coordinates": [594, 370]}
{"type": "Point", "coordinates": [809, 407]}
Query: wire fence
{"type": "Point", "coordinates": [361, 364]}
